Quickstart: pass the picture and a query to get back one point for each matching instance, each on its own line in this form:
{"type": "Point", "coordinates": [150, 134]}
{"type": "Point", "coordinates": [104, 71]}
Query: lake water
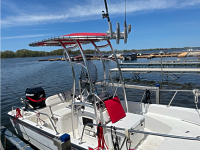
{"type": "Point", "coordinates": [55, 76]}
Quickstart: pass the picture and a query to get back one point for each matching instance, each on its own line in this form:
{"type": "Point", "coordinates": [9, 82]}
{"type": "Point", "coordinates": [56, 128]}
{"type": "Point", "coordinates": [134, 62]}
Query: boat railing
{"type": "Point", "coordinates": [157, 89]}
{"type": "Point", "coordinates": [141, 132]}
{"type": "Point", "coordinates": [38, 113]}
{"type": "Point", "coordinates": [83, 104]}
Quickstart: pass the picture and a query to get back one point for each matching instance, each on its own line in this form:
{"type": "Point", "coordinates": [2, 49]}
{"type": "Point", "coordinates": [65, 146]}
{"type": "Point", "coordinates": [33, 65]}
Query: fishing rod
{"type": "Point", "coordinates": [24, 101]}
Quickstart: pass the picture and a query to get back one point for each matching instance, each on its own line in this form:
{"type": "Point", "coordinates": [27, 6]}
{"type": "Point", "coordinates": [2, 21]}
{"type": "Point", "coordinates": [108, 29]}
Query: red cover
{"type": "Point", "coordinates": [115, 109]}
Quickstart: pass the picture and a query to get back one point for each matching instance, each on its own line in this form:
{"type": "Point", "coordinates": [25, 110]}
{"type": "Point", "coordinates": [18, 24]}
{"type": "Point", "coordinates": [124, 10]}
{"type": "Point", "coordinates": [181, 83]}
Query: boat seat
{"type": "Point", "coordinates": [130, 121]}
{"type": "Point", "coordinates": [54, 100]}
{"type": "Point", "coordinates": [59, 98]}
{"type": "Point", "coordinates": [64, 112]}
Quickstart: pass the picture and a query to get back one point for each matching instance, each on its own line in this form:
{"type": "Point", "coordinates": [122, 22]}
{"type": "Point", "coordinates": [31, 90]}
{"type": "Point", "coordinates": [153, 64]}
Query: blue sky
{"type": "Point", "coordinates": [155, 23]}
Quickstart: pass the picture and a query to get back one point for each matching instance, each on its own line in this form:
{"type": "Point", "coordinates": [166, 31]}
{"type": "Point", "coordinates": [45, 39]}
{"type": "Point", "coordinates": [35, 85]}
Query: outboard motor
{"type": "Point", "coordinates": [36, 97]}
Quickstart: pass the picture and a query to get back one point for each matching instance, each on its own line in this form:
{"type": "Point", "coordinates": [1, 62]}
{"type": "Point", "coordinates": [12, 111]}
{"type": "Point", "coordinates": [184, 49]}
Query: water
{"type": "Point", "coordinates": [55, 76]}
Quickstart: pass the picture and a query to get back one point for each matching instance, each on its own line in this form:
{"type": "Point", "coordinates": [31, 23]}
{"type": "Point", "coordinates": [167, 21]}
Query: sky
{"type": "Point", "coordinates": [155, 23]}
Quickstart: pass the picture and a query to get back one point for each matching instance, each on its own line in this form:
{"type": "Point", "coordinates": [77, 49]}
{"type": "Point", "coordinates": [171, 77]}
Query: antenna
{"type": "Point", "coordinates": [117, 34]}
{"type": "Point", "coordinates": [106, 15]}
{"type": "Point", "coordinates": [125, 26]}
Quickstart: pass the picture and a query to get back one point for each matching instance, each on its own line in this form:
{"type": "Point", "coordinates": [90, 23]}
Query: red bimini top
{"type": "Point", "coordinates": [70, 39]}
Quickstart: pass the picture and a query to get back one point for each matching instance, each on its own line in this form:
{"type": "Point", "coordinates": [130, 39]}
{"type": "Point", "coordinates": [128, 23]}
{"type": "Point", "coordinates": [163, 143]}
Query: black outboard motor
{"type": "Point", "coordinates": [36, 97]}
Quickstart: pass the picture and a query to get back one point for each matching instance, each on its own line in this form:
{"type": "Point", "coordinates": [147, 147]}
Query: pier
{"type": "Point", "coordinates": [145, 55]}
{"type": "Point", "coordinates": [182, 55]}
{"type": "Point", "coordinates": [169, 63]}
{"type": "Point", "coordinates": [62, 59]}
{"type": "Point", "coordinates": [13, 139]}
{"type": "Point", "coordinates": [165, 71]}
{"type": "Point", "coordinates": [172, 54]}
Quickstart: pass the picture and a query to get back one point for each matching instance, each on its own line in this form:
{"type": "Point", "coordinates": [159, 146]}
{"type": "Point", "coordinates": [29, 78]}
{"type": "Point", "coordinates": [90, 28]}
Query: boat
{"type": "Point", "coordinates": [94, 116]}
{"type": "Point", "coordinates": [190, 49]}
{"type": "Point", "coordinates": [118, 55]}
{"type": "Point", "coordinates": [129, 56]}
{"type": "Point", "coordinates": [162, 53]}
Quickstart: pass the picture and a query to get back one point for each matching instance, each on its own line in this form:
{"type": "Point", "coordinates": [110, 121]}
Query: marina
{"type": "Point", "coordinates": [87, 103]}
{"type": "Point", "coordinates": [144, 55]}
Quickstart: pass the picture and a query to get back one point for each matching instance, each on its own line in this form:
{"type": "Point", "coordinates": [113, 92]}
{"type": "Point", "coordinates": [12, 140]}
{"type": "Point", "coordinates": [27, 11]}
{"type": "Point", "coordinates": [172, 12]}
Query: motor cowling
{"type": "Point", "coordinates": [36, 97]}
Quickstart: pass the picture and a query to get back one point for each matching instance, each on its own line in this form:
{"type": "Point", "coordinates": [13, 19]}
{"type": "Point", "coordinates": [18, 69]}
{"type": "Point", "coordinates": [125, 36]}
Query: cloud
{"type": "Point", "coordinates": [24, 36]}
{"type": "Point", "coordinates": [31, 13]}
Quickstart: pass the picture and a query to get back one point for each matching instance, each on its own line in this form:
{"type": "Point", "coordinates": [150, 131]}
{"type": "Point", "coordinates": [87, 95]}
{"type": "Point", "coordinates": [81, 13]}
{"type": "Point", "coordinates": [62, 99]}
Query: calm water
{"type": "Point", "coordinates": [55, 76]}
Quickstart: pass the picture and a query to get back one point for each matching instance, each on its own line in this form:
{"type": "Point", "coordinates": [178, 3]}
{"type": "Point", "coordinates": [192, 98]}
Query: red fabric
{"type": "Point", "coordinates": [101, 140]}
{"type": "Point", "coordinates": [18, 114]}
{"type": "Point", "coordinates": [115, 109]}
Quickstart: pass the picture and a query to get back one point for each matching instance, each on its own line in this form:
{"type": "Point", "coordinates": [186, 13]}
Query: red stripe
{"type": "Point", "coordinates": [39, 100]}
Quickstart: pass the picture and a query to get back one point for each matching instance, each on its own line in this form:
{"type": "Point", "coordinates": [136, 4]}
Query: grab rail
{"type": "Point", "coordinates": [50, 121]}
{"type": "Point", "coordinates": [143, 132]}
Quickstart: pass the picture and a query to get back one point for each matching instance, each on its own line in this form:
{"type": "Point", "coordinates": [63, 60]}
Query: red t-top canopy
{"type": "Point", "coordinates": [70, 39]}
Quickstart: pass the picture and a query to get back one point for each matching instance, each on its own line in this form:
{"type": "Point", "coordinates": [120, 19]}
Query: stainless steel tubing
{"type": "Point", "coordinates": [151, 133]}
{"type": "Point", "coordinates": [51, 122]}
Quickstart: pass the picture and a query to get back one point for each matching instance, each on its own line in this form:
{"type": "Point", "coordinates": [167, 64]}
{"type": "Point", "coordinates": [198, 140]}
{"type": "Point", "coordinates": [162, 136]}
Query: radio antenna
{"type": "Point", "coordinates": [125, 10]}
{"type": "Point", "coordinates": [125, 26]}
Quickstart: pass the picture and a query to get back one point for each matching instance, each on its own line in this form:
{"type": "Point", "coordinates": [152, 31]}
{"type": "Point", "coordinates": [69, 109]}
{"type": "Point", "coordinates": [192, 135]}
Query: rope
{"type": "Point", "coordinates": [18, 114]}
{"type": "Point", "coordinates": [38, 116]}
{"type": "Point", "coordinates": [116, 142]}
{"type": "Point", "coordinates": [101, 140]}
{"type": "Point", "coordinates": [196, 99]}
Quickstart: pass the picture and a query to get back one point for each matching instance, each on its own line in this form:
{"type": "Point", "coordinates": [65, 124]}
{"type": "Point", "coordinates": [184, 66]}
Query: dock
{"type": "Point", "coordinates": [166, 70]}
{"type": "Point", "coordinates": [182, 55]}
{"type": "Point", "coordinates": [156, 55]}
{"type": "Point", "coordinates": [145, 55]}
{"type": "Point", "coordinates": [62, 59]}
{"type": "Point", "coordinates": [13, 139]}
{"type": "Point", "coordinates": [172, 54]}
{"type": "Point", "coordinates": [53, 59]}
{"type": "Point", "coordinates": [170, 63]}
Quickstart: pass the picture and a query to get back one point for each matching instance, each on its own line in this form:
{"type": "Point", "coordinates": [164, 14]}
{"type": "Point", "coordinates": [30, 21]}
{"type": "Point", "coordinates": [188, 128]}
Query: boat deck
{"type": "Point", "coordinates": [178, 127]}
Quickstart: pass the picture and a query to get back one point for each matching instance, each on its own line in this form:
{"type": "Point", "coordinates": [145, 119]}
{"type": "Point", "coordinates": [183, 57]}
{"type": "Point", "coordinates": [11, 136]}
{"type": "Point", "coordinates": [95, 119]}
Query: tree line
{"type": "Point", "coordinates": [30, 53]}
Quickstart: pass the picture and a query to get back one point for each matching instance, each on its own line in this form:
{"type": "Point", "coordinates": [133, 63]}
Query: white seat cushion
{"type": "Point", "coordinates": [64, 112]}
{"type": "Point", "coordinates": [54, 100]}
{"type": "Point", "coordinates": [130, 121]}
